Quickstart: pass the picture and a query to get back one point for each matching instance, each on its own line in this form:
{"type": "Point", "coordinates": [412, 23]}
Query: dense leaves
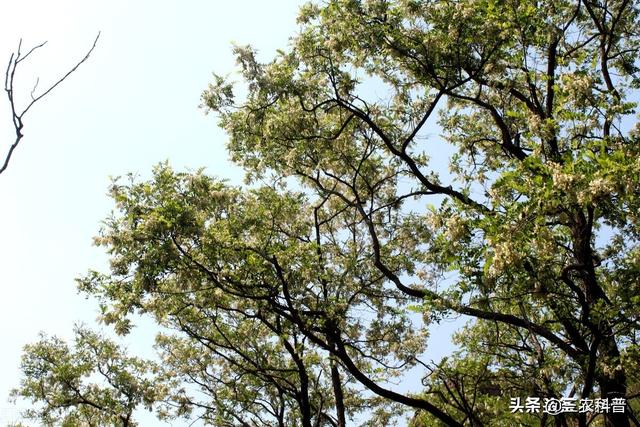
{"type": "Point", "coordinates": [93, 383]}
{"type": "Point", "coordinates": [533, 226]}
{"type": "Point", "coordinates": [268, 308]}
{"type": "Point", "coordinates": [305, 297]}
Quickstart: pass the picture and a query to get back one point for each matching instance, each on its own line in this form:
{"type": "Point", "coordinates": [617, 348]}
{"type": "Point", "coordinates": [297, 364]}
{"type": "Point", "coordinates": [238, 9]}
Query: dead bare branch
{"type": "Point", "coordinates": [17, 115]}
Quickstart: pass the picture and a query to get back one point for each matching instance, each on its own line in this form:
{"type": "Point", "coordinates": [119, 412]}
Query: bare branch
{"type": "Point", "coordinates": [17, 115]}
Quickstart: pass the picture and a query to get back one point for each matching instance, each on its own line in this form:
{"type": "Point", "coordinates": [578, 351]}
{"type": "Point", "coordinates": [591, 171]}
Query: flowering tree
{"type": "Point", "coordinates": [299, 302]}
{"type": "Point", "coordinates": [536, 225]}
{"type": "Point", "coordinates": [93, 383]}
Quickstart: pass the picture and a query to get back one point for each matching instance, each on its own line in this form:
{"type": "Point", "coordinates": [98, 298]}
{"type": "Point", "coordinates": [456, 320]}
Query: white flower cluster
{"type": "Point", "coordinates": [455, 227]}
{"type": "Point", "coordinates": [597, 188]}
{"type": "Point", "coordinates": [544, 129]}
{"type": "Point", "coordinates": [578, 86]}
{"type": "Point", "coordinates": [561, 180]}
{"type": "Point", "coordinates": [433, 220]}
{"type": "Point", "coordinates": [600, 186]}
{"type": "Point", "coordinates": [504, 255]}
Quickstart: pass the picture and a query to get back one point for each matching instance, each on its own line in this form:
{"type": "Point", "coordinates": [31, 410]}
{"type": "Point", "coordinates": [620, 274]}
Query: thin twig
{"type": "Point", "coordinates": [9, 79]}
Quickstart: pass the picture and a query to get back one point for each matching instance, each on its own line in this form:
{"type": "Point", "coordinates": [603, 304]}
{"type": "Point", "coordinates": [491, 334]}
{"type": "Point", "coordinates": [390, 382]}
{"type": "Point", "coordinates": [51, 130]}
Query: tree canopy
{"type": "Point", "coordinates": [64, 379]}
{"type": "Point", "coordinates": [306, 296]}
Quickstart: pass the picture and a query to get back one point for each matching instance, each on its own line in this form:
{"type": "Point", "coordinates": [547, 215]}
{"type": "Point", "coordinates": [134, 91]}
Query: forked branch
{"type": "Point", "coordinates": [17, 114]}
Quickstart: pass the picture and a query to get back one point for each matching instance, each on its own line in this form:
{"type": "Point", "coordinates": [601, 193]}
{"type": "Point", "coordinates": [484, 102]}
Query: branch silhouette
{"type": "Point", "coordinates": [17, 115]}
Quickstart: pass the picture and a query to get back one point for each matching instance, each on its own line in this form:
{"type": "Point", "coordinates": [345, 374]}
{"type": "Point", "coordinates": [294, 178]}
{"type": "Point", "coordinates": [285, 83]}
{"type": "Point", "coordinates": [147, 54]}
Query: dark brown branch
{"type": "Point", "coordinates": [9, 80]}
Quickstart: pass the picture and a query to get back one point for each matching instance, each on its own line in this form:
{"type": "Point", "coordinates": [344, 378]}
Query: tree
{"type": "Point", "coordinates": [536, 225]}
{"type": "Point", "coordinates": [242, 278]}
{"type": "Point", "coordinates": [92, 384]}
{"type": "Point", "coordinates": [17, 113]}
{"type": "Point", "coordinates": [299, 300]}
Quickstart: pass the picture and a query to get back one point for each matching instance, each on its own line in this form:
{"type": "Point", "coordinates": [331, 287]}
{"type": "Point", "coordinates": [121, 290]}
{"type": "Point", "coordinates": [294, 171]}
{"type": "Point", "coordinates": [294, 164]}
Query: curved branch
{"type": "Point", "coordinates": [9, 79]}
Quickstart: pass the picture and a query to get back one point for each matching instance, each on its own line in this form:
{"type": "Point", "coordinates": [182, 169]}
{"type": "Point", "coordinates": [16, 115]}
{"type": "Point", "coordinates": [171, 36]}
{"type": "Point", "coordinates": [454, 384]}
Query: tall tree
{"type": "Point", "coordinates": [92, 383]}
{"type": "Point", "coordinates": [265, 310]}
{"type": "Point", "coordinates": [300, 302]}
{"type": "Point", "coordinates": [536, 223]}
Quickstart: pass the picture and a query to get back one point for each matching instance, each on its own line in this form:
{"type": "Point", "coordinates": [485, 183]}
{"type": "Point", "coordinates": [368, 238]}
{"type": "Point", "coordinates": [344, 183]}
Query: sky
{"type": "Point", "coordinates": [133, 104]}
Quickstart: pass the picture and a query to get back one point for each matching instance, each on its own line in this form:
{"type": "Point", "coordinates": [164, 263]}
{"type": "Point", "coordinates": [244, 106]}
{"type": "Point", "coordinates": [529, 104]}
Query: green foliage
{"type": "Point", "coordinates": [92, 383]}
{"type": "Point", "coordinates": [260, 301]}
{"type": "Point", "coordinates": [303, 307]}
{"type": "Point", "coordinates": [535, 236]}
